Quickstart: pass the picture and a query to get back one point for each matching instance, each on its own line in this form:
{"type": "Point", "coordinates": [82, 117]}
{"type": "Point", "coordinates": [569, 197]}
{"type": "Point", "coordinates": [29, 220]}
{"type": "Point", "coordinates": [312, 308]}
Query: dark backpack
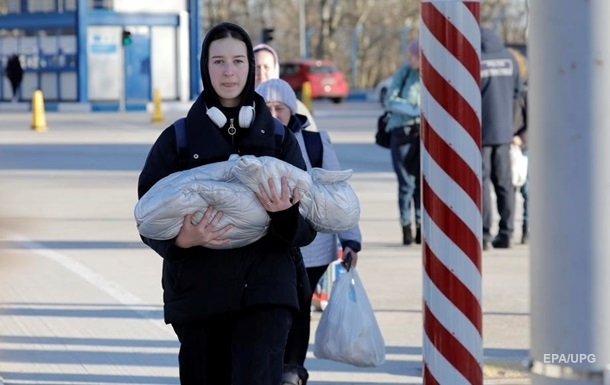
{"type": "Point", "coordinates": [313, 143]}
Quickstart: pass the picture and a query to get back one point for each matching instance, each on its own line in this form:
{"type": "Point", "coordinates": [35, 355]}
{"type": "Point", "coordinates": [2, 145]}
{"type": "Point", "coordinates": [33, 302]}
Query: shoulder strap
{"type": "Point", "coordinates": [181, 144]}
{"type": "Point", "coordinates": [280, 132]}
{"type": "Point", "coordinates": [313, 145]}
{"type": "Point", "coordinates": [404, 80]}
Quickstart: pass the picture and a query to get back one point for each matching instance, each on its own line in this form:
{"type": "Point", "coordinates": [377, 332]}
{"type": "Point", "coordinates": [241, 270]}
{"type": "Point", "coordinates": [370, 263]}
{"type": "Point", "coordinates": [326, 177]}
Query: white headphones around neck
{"type": "Point", "coordinates": [244, 119]}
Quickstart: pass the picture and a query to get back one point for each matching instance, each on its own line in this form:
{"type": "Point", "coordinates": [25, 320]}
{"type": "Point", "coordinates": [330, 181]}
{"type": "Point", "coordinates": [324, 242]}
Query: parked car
{"type": "Point", "coordinates": [381, 89]}
{"type": "Point", "coordinates": [325, 79]}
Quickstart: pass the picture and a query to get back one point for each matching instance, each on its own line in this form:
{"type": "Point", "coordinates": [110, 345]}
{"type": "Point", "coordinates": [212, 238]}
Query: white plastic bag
{"type": "Point", "coordinates": [518, 163]}
{"type": "Point", "coordinates": [348, 331]}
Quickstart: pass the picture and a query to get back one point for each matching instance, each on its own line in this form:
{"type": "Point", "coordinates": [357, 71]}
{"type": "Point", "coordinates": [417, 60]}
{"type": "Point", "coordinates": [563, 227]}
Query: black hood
{"type": "Point", "coordinates": [220, 31]}
{"type": "Point", "coordinates": [490, 41]}
{"type": "Point", "coordinates": [298, 122]}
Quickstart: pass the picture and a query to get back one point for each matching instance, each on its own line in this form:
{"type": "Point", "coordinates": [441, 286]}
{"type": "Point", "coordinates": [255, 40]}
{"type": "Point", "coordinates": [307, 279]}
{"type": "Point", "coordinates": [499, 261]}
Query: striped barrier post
{"type": "Point", "coordinates": [450, 41]}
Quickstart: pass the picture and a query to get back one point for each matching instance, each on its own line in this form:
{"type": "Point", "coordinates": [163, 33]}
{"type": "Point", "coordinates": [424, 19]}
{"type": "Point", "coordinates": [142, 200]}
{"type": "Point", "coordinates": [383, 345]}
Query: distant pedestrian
{"type": "Point", "coordinates": [230, 308]}
{"type": "Point", "coordinates": [520, 139]}
{"type": "Point", "coordinates": [267, 63]}
{"type": "Point", "coordinates": [403, 100]}
{"type": "Point", "coordinates": [14, 73]}
{"type": "Point", "coordinates": [501, 84]}
{"type": "Point", "coordinates": [282, 102]}
{"type": "Point", "coordinates": [268, 67]}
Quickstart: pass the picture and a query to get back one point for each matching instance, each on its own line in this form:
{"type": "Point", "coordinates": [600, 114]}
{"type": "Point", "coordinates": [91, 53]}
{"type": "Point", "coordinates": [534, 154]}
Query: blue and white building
{"type": "Point", "coordinates": [73, 50]}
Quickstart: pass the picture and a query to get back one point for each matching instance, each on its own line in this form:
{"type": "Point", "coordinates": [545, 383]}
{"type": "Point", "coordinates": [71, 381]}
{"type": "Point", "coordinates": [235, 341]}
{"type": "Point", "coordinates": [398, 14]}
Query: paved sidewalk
{"type": "Point", "coordinates": [80, 296]}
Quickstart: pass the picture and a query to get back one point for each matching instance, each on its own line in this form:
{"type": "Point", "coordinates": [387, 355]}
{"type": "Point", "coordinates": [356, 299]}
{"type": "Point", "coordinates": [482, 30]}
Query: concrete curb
{"type": "Point", "coordinates": [166, 106]}
{"type": "Point", "coordinates": [498, 369]}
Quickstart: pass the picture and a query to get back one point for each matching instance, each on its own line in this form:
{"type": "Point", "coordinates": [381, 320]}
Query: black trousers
{"type": "Point", "coordinates": [497, 172]}
{"type": "Point", "coordinates": [242, 348]}
{"type": "Point", "coordinates": [298, 337]}
{"type": "Point", "coordinates": [15, 84]}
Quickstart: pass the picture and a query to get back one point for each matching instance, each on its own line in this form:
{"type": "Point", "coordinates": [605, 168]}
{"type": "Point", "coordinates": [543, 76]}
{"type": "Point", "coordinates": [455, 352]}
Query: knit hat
{"type": "Point", "coordinates": [268, 48]}
{"type": "Point", "coordinates": [277, 90]}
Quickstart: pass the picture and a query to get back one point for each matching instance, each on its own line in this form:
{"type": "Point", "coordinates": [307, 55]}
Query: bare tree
{"type": "Point", "coordinates": [377, 29]}
{"type": "Point", "coordinates": [507, 17]}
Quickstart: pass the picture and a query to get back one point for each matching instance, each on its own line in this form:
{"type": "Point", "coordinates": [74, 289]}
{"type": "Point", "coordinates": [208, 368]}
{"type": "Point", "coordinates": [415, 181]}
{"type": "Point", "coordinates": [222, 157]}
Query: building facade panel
{"type": "Point", "coordinates": [68, 83]}
{"type": "Point", "coordinates": [49, 82]}
{"type": "Point", "coordinates": [133, 6]}
{"type": "Point", "coordinates": [46, 35]}
{"type": "Point", "coordinates": [105, 59]}
{"type": "Point", "coordinates": [164, 67]}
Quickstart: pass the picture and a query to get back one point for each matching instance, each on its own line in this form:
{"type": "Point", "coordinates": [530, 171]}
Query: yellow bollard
{"type": "Point", "coordinates": [306, 95]}
{"type": "Point", "coordinates": [157, 113]}
{"type": "Point", "coordinates": [39, 122]}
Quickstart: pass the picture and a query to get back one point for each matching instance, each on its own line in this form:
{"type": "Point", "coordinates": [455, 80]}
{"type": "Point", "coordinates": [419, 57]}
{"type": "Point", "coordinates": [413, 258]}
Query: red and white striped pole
{"type": "Point", "coordinates": [450, 40]}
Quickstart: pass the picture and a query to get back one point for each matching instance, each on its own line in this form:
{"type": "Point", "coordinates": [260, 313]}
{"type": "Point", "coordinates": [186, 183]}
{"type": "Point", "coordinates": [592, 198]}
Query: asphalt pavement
{"type": "Point", "coordinates": [80, 295]}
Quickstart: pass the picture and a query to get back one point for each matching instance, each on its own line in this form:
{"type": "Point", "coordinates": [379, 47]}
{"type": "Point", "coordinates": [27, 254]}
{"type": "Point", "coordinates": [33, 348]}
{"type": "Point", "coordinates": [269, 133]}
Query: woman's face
{"type": "Point", "coordinates": [265, 65]}
{"type": "Point", "coordinates": [413, 61]}
{"type": "Point", "coordinates": [228, 69]}
{"type": "Point", "coordinates": [280, 111]}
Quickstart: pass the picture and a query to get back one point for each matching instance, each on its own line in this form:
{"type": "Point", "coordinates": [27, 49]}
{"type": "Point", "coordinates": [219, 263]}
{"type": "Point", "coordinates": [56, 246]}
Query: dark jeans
{"type": "Point", "coordinates": [401, 147]}
{"type": "Point", "coordinates": [497, 172]}
{"type": "Point", "coordinates": [15, 86]}
{"type": "Point", "coordinates": [241, 348]}
{"type": "Point", "coordinates": [298, 337]}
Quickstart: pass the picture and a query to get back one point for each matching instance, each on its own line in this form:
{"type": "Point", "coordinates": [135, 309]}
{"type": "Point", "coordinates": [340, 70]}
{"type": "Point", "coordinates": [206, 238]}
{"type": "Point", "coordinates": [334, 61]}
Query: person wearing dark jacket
{"type": "Point", "coordinates": [230, 308]}
{"type": "Point", "coordinates": [403, 100]}
{"type": "Point", "coordinates": [14, 73]}
{"type": "Point", "coordinates": [500, 85]}
{"type": "Point", "coordinates": [318, 255]}
{"type": "Point", "coordinates": [520, 139]}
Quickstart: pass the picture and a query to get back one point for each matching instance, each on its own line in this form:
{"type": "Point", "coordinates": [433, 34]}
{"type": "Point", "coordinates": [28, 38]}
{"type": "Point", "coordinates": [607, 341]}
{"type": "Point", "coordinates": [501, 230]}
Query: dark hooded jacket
{"type": "Point", "coordinates": [501, 84]}
{"type": "Point", "coordinates": [14, 71]}
{"type": "Point", "coordinates": [520, 124]}
{"type": "Point", "coordinates": [199, 282]}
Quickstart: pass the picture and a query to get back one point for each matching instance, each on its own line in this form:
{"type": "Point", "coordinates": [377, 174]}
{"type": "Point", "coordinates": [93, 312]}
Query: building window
{"type": "Point", "coordinates": [69, 5]}
{"type": "Point", "coordinates": [101, 4]}
{"type": "Point", "coordinates": [10, 6]}
{"type": "Point", "coordinates": [35, 6]}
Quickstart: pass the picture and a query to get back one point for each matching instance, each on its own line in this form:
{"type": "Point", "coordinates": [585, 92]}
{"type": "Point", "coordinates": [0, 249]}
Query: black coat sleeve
{"type": "Point", "coordinates": [162, 160]}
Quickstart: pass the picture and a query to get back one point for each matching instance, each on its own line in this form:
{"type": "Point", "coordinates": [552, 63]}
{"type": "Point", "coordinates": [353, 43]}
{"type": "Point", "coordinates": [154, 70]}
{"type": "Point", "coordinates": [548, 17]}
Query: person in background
{"type": "Point", "coordinates": [230, 308]}
{"type": "Point", "coordinates": [501, 84]}
{"type": "Point", "coordinates": [403, 101]}
{"type": "Point", "coordinates": [282, 102]}
{"type": "Point", "coordinates": [14, 73]}
{"type": "Point", "coordinates": [520, 139]}
{"type": "Point", "coordinates": [268, 67]}
{"type": "Point", "coordinates": [267, 63]}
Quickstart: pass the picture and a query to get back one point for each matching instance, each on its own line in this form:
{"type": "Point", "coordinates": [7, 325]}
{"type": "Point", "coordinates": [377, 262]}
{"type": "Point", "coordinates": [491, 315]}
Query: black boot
{"type": "Point", "coordinates": [501, 241]}
{"type": "Point", "coordinates": [525, 235]}
{"type": "Point", "coordinates": [407, 235]}
{"type": "Point", "coordinates": [418, 234]}
{"type": "Point", "coordinates": [485, 245]}
{"type": "Point", "coordinates": [292, 378]}
{"type": "Point", "coordinates": [486, 241]}
{"type": "Point", "coordinates": [294, 375]}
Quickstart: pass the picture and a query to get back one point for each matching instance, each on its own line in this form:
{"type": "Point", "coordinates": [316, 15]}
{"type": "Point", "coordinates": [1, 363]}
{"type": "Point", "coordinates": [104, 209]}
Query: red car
{"type": "Point", "coordinates": [325, 79]}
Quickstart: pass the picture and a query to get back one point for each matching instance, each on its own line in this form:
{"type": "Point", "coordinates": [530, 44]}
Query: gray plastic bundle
{"type": "Point", "coordinates": [327, 199]}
